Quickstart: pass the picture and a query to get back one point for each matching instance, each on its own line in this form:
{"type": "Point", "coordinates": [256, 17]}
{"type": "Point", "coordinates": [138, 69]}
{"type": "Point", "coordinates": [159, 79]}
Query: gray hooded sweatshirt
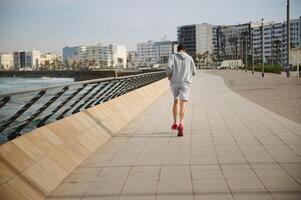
{"type": "Point", "coordinates": [180, 68]}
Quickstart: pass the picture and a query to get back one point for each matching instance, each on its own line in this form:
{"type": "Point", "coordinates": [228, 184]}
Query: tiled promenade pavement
{"type": "Point", "coordinates": [232, 149]}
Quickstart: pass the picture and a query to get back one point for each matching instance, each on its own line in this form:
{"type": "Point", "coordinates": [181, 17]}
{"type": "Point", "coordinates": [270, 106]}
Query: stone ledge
{"type": "Point", "coordinates": [33, 165]}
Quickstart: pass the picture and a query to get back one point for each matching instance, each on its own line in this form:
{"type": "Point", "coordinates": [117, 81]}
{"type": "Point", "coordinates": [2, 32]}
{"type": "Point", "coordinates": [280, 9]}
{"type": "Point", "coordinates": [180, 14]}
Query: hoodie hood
{"type": "Point", "coordinates": [182, 55]}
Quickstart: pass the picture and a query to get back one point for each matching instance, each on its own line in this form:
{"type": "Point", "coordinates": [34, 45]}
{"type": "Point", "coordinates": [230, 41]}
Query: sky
{"type": "Point", "coordinates": [49, 25]}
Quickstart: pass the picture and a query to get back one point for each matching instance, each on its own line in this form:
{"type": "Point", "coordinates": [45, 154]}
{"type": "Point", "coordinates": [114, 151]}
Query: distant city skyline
{"type": "Point", "coordinates": [48, 26]}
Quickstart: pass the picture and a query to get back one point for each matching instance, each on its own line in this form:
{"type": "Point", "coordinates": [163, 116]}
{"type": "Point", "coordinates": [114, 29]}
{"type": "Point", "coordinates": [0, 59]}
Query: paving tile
{"type": "Point", "coordinates": [167, 189]}
{"type": "Point", "coordinates": [210, 185]}
{"type": "Point", "coordinates": [281, 184]}
{"type": "Point", "coordinates": [147, 173]}
{"type": "Point", "coordinates": [239, 174]}
{"type": "Point", "coordinates": [106, 188]}
{"type": "Point", "coordinates": [175, 173]}
{"type": "Point", "coordinates": [252, 196]}
{"type": "Point", "coordinates": [198, 172]}
{"type": "Point", "coordinates": [76, 178]}
{"type": "Point", "coordinates": [292, 196]}
{"type": "Point", "coordinates": [74, 189]}
{"type": "Point", "coordinates": [215, 196]}
{"type": "Point", "coordinates": [139, 189]}
{"type": "Point", "coordinates": [113, 173]}
{"type": "Point", "coordinates": [293, 169]}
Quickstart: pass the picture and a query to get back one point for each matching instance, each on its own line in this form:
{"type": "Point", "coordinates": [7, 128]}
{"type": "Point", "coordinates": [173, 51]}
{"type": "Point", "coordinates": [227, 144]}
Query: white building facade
{"type": "Point", "coordinates": [6, 61]}
{"type": "Point", "coordinates": [231, 41]}
{"type": "Point", "coordinates": [204, 38]}
{"type": "Point", "coordinates": [101, 55]}
{"type": "Point", "coordinates": [112, 55]}
{"type": "Point", "coordinates": [152, 52]}
{"type": "Point", "coordinates": [164, 49]}
{"type": "Point", "coordinates": [33, 59]}
{"type": "Point", "coordinates": [146, 53]}
{"type": "Point", "coordinates": [50, 60]}
{"type": "Point", "coordinates": [74, 56]}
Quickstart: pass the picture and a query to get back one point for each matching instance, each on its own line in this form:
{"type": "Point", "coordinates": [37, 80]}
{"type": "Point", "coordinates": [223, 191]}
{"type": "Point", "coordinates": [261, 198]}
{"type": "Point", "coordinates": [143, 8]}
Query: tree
{"type": "Point", "coordinates": [199, 58]}
{"type": "Point", "coordinates": [73, 65]}
{"type": "Point", "coordinates": [276, 51]}
{"type": "Point", "coordinates": [205, 57]}
{"type": "Point", "coordinates": [120, 61]}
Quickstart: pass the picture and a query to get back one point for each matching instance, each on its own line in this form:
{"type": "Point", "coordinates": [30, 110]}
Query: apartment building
{"type": "Point", "coordinates": [187, 37]}
{"type": "Point", "coordinates": [101, 55]}
{"type": "Point", "coordinates": [33, 59]}
{"type": "Point", "coordinates": [153, 52]}
{"type": "Point", "coordinates": [231, 40]}
{"type": "Point", "coordinates": [147, 53]}
{"type": "Point", "coordinates": [198, 39]}
{"type": "Point", "coordinates": [50, 59]}
{"type": "Point", "coordinates": [74, 55]}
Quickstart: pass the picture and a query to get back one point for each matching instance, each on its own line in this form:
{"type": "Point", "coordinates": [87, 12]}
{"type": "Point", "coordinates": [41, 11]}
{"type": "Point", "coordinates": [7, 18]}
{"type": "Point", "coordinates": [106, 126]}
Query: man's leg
{"type": "Point", "coordinates": [182, 111]}
{"type": "Point", "coordinates": [175, 110]}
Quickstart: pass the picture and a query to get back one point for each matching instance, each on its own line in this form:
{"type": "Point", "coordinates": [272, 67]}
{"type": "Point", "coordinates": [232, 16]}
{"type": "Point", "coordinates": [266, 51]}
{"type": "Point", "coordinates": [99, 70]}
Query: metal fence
{"type": "Point", "coordinates": [23, 111]}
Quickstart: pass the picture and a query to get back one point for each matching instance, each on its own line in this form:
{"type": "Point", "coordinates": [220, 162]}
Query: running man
{"type": "Point", "coordinates": [180, 69]}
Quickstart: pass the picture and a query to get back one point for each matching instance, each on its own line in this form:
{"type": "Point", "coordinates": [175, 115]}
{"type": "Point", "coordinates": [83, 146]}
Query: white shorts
{"type": "Point", "coordinates": [180, 91]}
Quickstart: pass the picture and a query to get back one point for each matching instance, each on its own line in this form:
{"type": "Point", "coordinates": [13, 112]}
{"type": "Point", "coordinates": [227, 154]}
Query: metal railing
{"type": "Point", "coordinates": [23, 111]}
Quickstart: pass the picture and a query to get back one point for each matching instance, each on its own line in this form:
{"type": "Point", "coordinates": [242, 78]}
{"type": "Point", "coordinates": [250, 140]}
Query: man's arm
{"type": "Point", "coordinates": [192, 67]}
{"type": "Point", "coordinates": [169, 67]}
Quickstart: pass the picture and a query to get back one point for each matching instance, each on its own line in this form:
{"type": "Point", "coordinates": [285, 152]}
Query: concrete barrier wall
{"type": "Point", "coordinates": [32, 165]}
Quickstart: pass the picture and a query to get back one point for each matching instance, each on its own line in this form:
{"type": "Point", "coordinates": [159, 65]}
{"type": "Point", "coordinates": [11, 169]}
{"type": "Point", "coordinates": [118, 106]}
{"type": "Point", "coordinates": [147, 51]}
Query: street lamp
{"type": "Point", "coordinates": [252, 51]}
{"type": "Point", "coordinates": [246, 51]}
{"type": "Point", "coordinates": [288, 38]}
{"type": "Point", "coordinates": [262, 40]}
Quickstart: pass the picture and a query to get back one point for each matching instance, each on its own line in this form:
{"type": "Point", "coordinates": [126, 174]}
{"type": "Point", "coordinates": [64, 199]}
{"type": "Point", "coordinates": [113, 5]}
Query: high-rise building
{"type": "Point", "coordinates": [93, 55]}
{"type": "Point", "coordinates": [273, 39]}
{"type": "Point", "coordinates": [231, 40]}
{"type": "Point", "coordinates": [215, 41]}
{"type": "Point", "coordinates": [204, 38]}
{"type": "Point", "coordinates": [295, 36]}
{"type": "Point", "coordinates": [19, 59]}
{"type": "Point", "coordinates": [152, 52]}
{"type": "Point", "coordinates": [22, 59]}
{"type": "Point", "coordinates": [146, 52]}
{"type": "Point", "coordinates": [187, 37]}
{"type": "Point", "coordinates": [107, 55]}
{"type": "Point", "coordinates": [33, 59]}
{"type": "Point", "coordinates": [198, 39]}
{"type": "Point", "coordinates": [74, 55]}
{"type": "Point", "coordinates": [68, 53]}
{"type": "Point", "coordinates": [164, 49]}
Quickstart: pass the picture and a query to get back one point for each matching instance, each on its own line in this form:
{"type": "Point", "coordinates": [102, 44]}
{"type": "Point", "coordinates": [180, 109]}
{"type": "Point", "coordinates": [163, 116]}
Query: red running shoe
{"type": "Point", "coordinates": [174, 126]}
{"type": "Point", "coordinates": [180, 130]}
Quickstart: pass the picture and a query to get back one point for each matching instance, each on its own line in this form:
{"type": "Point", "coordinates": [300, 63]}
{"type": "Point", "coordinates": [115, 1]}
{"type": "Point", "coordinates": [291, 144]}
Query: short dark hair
{"type": "Point", "coordinates": [181, 47]}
